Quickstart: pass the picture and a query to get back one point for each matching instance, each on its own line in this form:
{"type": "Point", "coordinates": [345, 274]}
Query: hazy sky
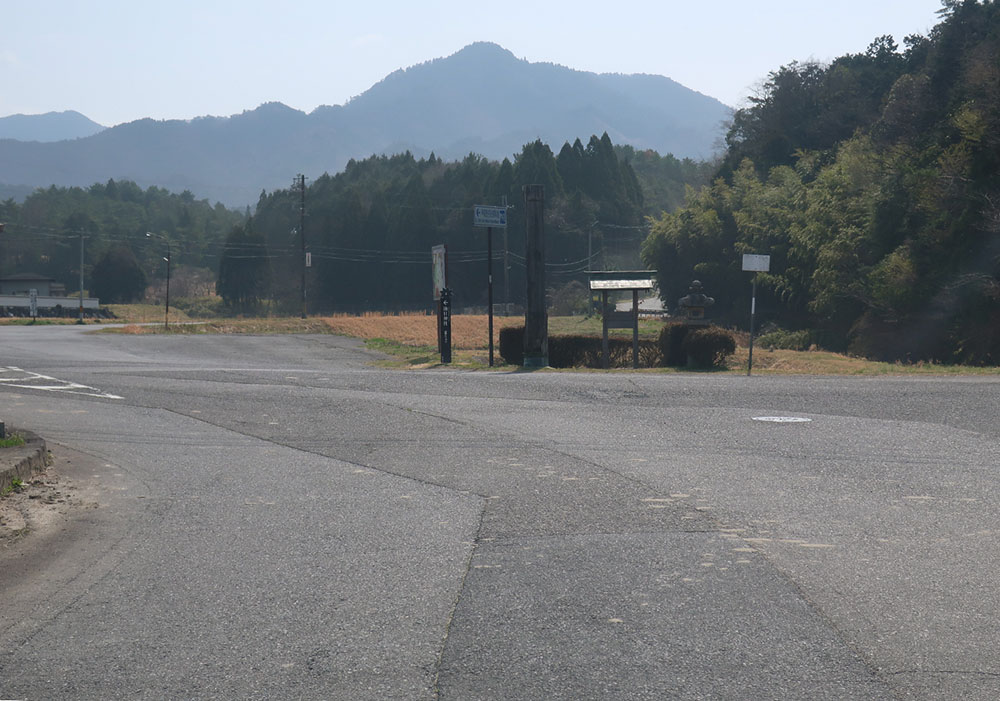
{"type": "Point", "coordinates": [120, 60]}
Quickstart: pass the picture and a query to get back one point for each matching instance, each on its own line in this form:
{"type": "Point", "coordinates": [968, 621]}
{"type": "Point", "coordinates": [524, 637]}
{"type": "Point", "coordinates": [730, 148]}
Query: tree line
{"type": "Point", "coordinates": [368, 229]}
{"type": "Point", "coordinates": [873, 184]}
{"type": "Point", "coordinates": [110, 220]}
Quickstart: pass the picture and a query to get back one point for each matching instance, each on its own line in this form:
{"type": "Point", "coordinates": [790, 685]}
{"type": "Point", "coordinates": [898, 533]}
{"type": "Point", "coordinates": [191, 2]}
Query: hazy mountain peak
{"type": "Point", "coordinates": [481, 99]}
{"type": "Point", "coordinates": [51, 126]}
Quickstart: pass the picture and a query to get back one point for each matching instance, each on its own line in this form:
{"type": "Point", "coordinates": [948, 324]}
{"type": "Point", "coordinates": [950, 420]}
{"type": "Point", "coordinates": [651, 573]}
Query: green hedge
{"type": "Point", "coordinates": [575, 351]}
{"type": "Point", "coordinates": [708, 346]}
{"type": "Point", "coordinates": [695, 346]}
{"type": "Point", "coordinates": [671, 344]}
{"type": "Point", "coordinates": [678, 345]}
{"type": "Point", "coordinates": [512, 345]}
{"type": "Point", "coordinates": [786, 340]}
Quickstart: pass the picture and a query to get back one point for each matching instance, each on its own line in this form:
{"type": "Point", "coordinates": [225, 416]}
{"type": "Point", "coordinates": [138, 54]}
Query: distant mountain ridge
{"type": "Point", "coordinates": [482, 99]}
{"type": "Point", "coordinates": [51, 126]}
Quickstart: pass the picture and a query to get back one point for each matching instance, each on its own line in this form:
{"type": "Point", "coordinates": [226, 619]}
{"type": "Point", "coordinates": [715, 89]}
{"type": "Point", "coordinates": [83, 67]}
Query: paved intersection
{"type": "Point", "coordinates": [280, 519]}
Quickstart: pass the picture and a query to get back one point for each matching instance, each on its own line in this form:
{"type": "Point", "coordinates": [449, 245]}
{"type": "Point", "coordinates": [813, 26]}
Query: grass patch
{"type": "Point", "coordinates": [12, 441]}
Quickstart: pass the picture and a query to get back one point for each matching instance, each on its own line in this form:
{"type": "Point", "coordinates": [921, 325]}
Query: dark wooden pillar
{"type": "Point", "coordinates": [536, 319]}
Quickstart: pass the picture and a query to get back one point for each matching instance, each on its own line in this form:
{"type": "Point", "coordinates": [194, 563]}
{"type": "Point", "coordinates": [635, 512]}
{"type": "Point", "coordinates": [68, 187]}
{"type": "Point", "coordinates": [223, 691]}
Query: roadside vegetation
{"type": "Point", "coordinates": [410, 341]}
{"type": "Point", "coordinates": [12, 441]}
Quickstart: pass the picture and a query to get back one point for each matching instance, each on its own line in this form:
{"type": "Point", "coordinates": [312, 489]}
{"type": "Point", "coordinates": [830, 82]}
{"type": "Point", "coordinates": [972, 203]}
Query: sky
{"type": "Point", "coordinates": [120, 60]}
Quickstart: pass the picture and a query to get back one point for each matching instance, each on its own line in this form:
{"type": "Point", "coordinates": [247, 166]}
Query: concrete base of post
{"type": "Point", "coordinates": [536, 361]}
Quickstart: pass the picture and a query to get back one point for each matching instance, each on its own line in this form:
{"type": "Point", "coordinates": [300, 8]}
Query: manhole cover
{"type": "Point", "coordinates": [782, 419]}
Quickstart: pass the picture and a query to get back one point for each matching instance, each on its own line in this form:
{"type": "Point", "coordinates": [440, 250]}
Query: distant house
{"type": "Point", "coordinates": [23, 283]}
{"type": "Point", "coordinates": [50, 300]}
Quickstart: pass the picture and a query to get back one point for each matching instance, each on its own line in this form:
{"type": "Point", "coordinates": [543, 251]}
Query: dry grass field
{"type": "Point", "coordinates": [412, 340]}
{"type": "Point", "coordinates": [469, 332]}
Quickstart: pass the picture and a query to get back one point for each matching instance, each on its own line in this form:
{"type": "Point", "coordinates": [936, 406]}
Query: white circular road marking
{"type": "Point", "coordinates": [783, 419]}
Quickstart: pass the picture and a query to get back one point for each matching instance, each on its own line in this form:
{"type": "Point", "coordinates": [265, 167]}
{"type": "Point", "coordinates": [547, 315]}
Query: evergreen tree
{"type": "Point", "coordinates": [118, 278]}
{"type": "Point", "coordinates": [243, 270]}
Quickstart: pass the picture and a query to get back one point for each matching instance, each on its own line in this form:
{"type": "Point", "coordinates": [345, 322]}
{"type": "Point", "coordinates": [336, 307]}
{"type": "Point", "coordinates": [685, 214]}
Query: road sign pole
{"type": "Point", "coordinates": [753, 315]}
{"type": "Point", "coordinates": [489, 217]}
{"type": "Point", "coordinates": [489, 291]}
{"type": "Point", "coordinates": [757, 264]}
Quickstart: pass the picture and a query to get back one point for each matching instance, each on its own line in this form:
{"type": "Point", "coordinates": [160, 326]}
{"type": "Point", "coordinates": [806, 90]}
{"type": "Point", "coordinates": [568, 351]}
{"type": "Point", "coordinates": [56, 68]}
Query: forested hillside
{"type": "Point", "coordinates": [369, 229]}
{"type": "Point", "coordinates": [873, 184]}
{"type": "Point", "coordinates": [43, 234]}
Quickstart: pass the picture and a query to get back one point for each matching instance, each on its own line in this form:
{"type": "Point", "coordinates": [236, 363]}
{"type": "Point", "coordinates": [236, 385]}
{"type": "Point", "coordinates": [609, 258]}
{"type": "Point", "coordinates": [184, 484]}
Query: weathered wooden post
{"type": "Point", "coordinates": [536, 320]}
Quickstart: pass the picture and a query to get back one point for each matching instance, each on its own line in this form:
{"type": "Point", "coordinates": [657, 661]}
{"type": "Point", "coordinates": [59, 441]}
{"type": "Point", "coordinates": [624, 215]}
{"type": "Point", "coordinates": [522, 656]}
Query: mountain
{"type": "Point", "coordinates": [482, 99]}
{"type": "Point", "coordinates": [51, 126]}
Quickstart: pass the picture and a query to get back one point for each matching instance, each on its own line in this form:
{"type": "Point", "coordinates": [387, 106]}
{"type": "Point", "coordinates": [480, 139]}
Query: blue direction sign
{"type": "Point", "coordinates": [484, 215]}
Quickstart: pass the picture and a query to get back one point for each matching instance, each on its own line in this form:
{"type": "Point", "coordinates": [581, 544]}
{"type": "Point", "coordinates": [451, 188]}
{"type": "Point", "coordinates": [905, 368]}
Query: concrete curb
{"type": "Point", "coordinates": [23, 461]}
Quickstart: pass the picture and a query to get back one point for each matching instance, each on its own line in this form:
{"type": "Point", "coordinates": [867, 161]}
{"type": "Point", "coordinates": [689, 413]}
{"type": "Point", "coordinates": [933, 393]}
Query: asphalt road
{"type": "Point", "coordinates": [279, 519]}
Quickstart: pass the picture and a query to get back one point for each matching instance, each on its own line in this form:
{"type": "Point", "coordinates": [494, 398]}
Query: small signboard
{"type": "Point", "coordinates": [33, 302]}
{"type": "Point", "coordinates": [486, 216]}
{"type": "Point", "coordinates": [438, 270]}
{"type": "Point", "coordinates": [756, 263]}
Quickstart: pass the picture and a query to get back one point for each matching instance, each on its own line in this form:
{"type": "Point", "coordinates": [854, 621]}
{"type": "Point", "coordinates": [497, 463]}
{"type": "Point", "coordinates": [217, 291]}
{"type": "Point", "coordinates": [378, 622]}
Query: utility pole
{"type": "Point", "coordinates": [166, 307]}
{"type": "Point", "coordinates": [536, 321]}
{"type": "Point", "coordinates": [79, 319]}
{"type": "Point", "coordinates": [300, 182]}
{"type": "Point", "coordinates": [506, 267]}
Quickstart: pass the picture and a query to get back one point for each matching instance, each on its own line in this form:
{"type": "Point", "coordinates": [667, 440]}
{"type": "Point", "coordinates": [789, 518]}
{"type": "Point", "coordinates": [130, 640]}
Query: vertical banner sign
{"type": "Point", "coordinates": [439, 281]}
{"type": "Point", "coordinates": [755, 264]}
{"type": "Point", "coordinates": [439, 271]}
{"type": "Point", "coordinates": [445, 325]}
{"type": "Point", "coordinates": [33, 301]}
{"type": "Point", "coordinates": [489, 217]}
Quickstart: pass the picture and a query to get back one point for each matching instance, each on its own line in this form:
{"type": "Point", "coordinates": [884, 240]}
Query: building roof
{"type": "Point", "coordinates": [21, 277]}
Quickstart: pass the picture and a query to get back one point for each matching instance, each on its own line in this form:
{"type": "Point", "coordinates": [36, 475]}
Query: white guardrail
{"type": "Point", "coordinates": [49, 302]}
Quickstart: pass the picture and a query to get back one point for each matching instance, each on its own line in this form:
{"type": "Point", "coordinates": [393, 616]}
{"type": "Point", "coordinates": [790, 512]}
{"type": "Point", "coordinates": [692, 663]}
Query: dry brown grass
{"type": "Point", "coordinates": [144, 313]}
{"type": "Point", "coordinates": [817, 362]}
{"type": "Point", "coordinates": [469, 332]}
{"type": "Point", "coordinates": [413, 339]}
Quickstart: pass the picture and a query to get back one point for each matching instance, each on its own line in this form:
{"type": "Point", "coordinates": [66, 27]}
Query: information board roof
{"type": "Point", "coordinates": [621, 279]}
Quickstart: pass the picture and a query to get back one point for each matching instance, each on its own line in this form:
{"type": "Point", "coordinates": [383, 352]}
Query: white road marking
{"type": "Point", "coordinates": [34, 380]}
{"type": "Point", "coordinates": [782, 419]}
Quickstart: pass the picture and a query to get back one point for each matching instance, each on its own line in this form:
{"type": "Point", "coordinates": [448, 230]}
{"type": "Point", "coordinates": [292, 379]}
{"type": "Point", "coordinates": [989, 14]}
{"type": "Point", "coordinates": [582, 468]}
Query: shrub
{"type": "Point", "coordinates": [786, 340]}
{"type": "Point", "coordinates": [573, 351]}
{"type": "Point", "coordinates": [708, 346]}
{"type": "Point", "coordinates": [512, 345]}
{"type": "Point", "coordinates": [201, 307]}
{"type": "Point", "coordinates": [671, 343]}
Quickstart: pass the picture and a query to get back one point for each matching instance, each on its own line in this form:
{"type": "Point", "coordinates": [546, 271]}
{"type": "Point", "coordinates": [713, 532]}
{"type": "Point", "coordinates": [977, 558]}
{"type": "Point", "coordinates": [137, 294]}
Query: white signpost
{"type": "Point", "coordinates": [756, 264]}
